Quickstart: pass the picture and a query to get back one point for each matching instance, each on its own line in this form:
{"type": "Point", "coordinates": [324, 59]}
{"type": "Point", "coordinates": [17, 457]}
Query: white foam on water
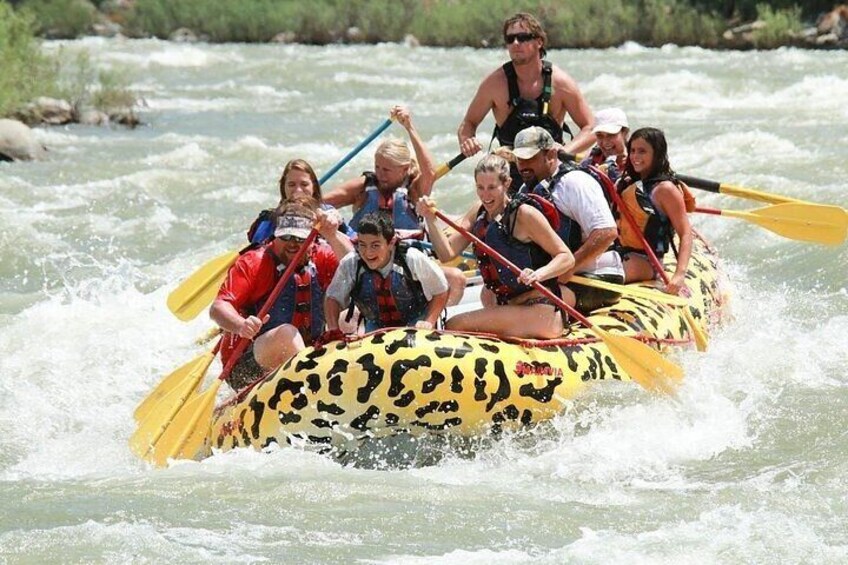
{"type": "Point", "coordinates": [727, 533]}
{"type": "Point", "coordinates": [189, 156]}
{"type": "Point", "coordinates": [479, 557]}
{"type": "Point", "coordinates": [183, 104]}
{"type": "Point", "coordinates": [76, 389]}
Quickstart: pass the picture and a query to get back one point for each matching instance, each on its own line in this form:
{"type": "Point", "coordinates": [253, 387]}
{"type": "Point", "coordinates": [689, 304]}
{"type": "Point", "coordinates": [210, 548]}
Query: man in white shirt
{"type": "Point", "coordinates": [587, 224]}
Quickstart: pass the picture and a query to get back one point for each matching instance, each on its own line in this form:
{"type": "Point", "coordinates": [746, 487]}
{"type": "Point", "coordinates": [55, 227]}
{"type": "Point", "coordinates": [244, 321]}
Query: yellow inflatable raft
{"type": "Point", "coordinates": [423, 381]}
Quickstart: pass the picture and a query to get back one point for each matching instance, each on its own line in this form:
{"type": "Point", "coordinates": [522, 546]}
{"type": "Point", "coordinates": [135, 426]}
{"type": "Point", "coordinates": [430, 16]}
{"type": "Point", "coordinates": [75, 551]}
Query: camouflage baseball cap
{"type": "Point", "coordinates": [530, 141]}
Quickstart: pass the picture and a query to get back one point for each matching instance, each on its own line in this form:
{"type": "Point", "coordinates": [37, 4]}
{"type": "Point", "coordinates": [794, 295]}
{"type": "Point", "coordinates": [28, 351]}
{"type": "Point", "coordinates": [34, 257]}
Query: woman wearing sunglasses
{"type": "Point", "coordinates": [297, 317]}
{"type": "Point", "coordinates": [527, 91]}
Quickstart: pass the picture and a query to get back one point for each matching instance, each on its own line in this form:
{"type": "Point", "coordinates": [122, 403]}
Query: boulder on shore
{"type": "Point", "coordinates": [18, 143]}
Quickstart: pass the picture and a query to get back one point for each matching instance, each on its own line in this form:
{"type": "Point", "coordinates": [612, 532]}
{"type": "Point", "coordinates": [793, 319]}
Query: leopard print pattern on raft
{"type": "Point", "coordinates": [425, 381]}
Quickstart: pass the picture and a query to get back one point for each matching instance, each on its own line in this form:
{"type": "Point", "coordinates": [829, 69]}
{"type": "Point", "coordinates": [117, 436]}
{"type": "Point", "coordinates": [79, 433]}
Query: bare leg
{"type": "Point", "coordinates": [637, 268]}
{"type": "Point", "coordinates": [539, 321]}
{"type": "Point", "coordinates": [275, 347]}
{"type": "Point", "coordinates": [456, 284]}
{"type": "Point", "coordinates": [567, 295]}
{"type": "Point", "coordinates": [487, 298]}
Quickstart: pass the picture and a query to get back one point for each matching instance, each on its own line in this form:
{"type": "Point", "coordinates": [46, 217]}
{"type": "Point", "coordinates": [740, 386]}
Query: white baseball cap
{"type": "Point", "coordinates": [610, 120]}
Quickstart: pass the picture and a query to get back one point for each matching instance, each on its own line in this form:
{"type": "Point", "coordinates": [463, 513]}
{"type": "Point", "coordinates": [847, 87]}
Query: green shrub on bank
{"type": "Point", "coordinates": [26, 72]}
{"type": "Point", "coordinates": [61, 19]}
{"type": "Point", "coordinates": [781, 26]}
{"type": "Point", "coordinates": [85, 86]}
{"type": "Point", "coordinates": [449, 23]}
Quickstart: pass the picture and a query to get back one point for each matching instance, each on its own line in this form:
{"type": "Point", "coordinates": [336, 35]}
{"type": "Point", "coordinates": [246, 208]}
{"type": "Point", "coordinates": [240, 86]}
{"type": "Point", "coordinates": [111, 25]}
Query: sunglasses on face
{"type": "Point", "coordinates": [522, 37]}
{"type": "Point", "coordinates": [290, 238]}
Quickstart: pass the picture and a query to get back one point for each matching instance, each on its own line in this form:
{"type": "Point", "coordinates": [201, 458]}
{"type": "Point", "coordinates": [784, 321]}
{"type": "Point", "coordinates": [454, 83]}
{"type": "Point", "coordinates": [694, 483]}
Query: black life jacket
{"type": "Point", "coordinates": [527, 112]}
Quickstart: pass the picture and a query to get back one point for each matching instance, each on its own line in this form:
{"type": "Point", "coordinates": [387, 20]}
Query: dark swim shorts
{"type": "Point", "coordinates": [591, 298]}
{"type": "Point", "coordinates": [245, 371]}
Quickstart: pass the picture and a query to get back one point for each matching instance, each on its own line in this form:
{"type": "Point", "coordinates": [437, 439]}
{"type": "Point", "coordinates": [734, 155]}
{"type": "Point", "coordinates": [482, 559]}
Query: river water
{"type": "Point", "coordinates": [749, 464]}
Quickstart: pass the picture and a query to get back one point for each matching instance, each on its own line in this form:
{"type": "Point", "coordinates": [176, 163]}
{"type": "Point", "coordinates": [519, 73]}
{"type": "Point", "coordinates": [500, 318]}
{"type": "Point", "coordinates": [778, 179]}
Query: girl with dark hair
{"type": "Point", "coordinates": [654, 198]}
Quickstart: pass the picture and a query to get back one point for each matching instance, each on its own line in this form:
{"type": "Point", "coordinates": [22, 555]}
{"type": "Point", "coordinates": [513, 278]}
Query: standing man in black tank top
{"type": "Point", "coordinates": [527, 91]}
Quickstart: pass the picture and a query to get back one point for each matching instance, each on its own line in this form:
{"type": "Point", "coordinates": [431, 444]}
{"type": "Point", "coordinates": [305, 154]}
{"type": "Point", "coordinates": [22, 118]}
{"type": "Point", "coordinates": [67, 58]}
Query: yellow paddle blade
{"type": "Point", "coordinates": [187, 373]}
{"type": "Point", "coordinates": [636, 291]}
{"type": "Point", "coordinates": [186, 433]}
{"type": "Point", "coordinates": [751, 194]}
{"type": "Point", "coordinates": [642, 363]}
{"type": "Point", "coordinates": [695, 330]}
{"type": "Point", "coordinates": [162, 413]}
{"type": "Point", "coordinates": [198, 291]}
{"type": "Point", "coordinates": [817, 223]}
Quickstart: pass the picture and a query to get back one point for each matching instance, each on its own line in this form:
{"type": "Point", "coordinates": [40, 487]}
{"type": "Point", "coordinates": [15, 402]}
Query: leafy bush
{"type": "Point", "coordinates": [61, 19]}
{"type": "Point", "coordinates": [26, 72]}
{"type": "Point", "coordinates": [781, 25]}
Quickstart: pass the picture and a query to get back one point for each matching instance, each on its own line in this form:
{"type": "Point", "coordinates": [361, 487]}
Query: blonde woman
{"type": "Point", "coordinates": [520, 233]}
{"type": "Point", "coordinates": [396, 183]}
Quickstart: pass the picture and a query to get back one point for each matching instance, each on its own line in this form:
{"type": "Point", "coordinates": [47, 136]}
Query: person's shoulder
{"type": "Point", "coordinates": [495, 79]}
{"type": "Point", "coordinates": [561, 79]}
{"type": "Point", "coordinates": [255, 257]}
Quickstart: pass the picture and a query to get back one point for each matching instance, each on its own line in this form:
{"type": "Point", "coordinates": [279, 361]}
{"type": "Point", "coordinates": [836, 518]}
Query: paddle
{"type": "Point", "coordinates": [732, 190]}
{"type": "Point", "coordinates": [816, 223]}
{"type": "Point", "coordinates": [644, 365]}
{"type": "Point", "coordinates": [698, 334]}
{"type": "Point", "coordinates": [196, 292]}
{"type": "Point", "coordinates": [184, 431]}
{"type": "Point", "coordinates": [184, 379]}
{"type": "Point", "coordinates": [634, 291]}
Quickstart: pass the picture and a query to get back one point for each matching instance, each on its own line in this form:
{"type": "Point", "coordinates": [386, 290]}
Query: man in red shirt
{"type": "Point", "coordinates": [296, 318]}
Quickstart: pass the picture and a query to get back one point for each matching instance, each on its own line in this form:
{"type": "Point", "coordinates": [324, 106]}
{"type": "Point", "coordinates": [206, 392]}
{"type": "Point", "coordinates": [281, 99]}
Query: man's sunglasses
{"type": "Point", "coordinates": [522, 37]}
{"type": "Point", "coordinates": [288, 238]}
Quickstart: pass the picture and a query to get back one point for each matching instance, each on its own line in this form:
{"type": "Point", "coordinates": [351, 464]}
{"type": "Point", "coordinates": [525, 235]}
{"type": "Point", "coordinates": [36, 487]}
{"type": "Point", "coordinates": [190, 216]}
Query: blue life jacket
{"type": "Point", "coordinates": [300, 303]}
{"type": "Point", "coordinates": [397, 204]}
{"type": "Point", "coordinates": [394, 301]}
{"type": "Point", "coordinates": [498, 235]}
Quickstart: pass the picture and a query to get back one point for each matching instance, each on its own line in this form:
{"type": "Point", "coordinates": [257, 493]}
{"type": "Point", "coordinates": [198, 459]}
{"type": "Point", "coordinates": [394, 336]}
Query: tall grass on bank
{"type": "Point", "coordinates": [26, 72]}
{"type": "Point", "coordinates": [448, 23]}
{"type": "Point", "coordinates": [60, 19]}
{"type": "Point", "coordinates": [781, 26]}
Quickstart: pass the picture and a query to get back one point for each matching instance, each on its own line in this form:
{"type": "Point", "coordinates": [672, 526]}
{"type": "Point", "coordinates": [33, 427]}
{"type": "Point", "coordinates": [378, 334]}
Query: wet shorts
{"type": "Point", "coordinates": [245, 371]}
{"type": "Point", "coordinates": [590, 298]}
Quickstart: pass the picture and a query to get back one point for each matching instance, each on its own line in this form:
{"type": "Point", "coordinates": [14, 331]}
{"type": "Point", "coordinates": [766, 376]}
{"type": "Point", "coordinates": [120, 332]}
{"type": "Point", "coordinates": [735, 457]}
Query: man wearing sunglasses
{"type": "Point", "coordinates": [297, 316]}
{"type": "Point", "coordinates": [527, 91]}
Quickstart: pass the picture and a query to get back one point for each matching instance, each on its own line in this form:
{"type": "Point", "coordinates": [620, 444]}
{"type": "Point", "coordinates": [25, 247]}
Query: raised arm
{"type": "Point", "coordinates": [426, 164]}
{"type": "Point", "coordinates": [328, 226]}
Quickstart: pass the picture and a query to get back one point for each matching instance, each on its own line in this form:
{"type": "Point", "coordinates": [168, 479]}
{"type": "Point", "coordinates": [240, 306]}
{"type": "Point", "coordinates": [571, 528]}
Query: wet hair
{"type": "Point", "coordinates": [656, 139]}
{"type": "Point", "coordinates": [492, 163]}
{"type": "Point", "coordinates": [532, 24]}
{"type": "Point", "coordinates": [377, 223]}
{"type": "Point", "coordinates": [303, 166]}
{"type": "Point", "coordinates": [397, 151]}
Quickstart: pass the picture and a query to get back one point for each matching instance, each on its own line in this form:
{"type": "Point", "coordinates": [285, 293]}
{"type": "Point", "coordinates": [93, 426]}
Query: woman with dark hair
{"type": "Point", "coordinates": [654, 198]}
